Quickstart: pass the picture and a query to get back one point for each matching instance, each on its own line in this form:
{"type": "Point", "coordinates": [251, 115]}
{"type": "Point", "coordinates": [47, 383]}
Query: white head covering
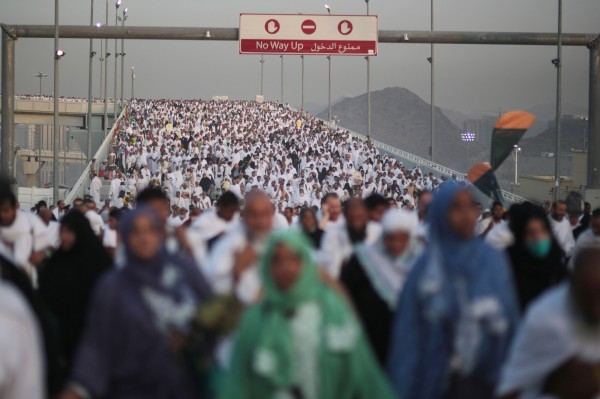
{"type": "Point", "coordinates": [399, 220]}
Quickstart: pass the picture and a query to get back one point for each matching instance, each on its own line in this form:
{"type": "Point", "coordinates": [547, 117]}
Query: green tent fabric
{"type": "Point", "coordinates": [264, 363]}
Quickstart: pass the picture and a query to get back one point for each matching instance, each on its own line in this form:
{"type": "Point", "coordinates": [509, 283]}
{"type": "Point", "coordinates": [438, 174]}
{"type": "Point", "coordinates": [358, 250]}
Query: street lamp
{"type": "Point", "coordinates": [106, 55]}
{"type": "Point", "coordinates": [430, 59]}
{"type": "Point", "coordinates": [558, 64]}
{"type": "Point", "coordinates": [281, 56]}
{"type": "Point", "coordinates": [516, 151]}
{"type": "Point", "coordinates": [132, 82]}
{"type": "Point", "coordinates": [328, 8]}
{"type": "Point", "coordinates": [117, 5]}
{"type": "Point", "coordinates": [302, 107]}
{"type": "Point", "coordinates": [90, 87]}
{"type": "Point", "coordinates": [262, 69]}
{"type": "Point", "coordinates": [468, 137]}
{"type": "Point", "coordinates": [102, 58]}
{"type": "Point", "coordinates": [58, 54]}
{"type": "Point", "coordinates": [368, 88]}
{"type": "Point", "coordinates": [40, 75]}
{"type": "Point", "coordinates": [122, 54]}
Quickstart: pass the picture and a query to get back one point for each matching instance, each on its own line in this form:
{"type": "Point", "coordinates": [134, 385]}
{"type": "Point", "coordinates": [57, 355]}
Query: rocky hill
{"type": "Point", "coordinates": [402, 119]}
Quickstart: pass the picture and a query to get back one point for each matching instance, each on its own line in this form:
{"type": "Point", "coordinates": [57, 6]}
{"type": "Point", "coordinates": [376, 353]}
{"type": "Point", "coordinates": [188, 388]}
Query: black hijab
{"type": "Point", "coordinates": [68, 280]}
{"type": "Point", "coordinates": [533, 275]}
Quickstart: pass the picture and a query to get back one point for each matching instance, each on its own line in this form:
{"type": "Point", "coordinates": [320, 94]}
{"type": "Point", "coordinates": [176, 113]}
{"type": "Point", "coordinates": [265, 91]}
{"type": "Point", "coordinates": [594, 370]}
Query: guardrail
{"type": "Point", "coordinates": [83, 182]}
{"type": "Point", "coordinates": [508, 196]}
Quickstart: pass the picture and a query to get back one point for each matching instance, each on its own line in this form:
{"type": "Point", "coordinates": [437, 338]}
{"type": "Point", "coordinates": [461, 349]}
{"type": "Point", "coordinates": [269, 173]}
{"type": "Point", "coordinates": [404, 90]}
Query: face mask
{"type": "Point", "coordinates": [539, 249]}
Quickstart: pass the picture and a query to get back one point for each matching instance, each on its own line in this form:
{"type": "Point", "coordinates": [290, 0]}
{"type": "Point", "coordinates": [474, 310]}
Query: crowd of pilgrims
{"type": "Point", "coordinates": [316, 269]}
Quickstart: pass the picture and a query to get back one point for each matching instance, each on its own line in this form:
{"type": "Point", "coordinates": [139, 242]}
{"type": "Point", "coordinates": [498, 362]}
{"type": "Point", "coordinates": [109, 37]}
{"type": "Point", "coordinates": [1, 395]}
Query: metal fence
{"type": "Point", "coordinates": [78, 190]}
{"type": "Point", "coordinates": [434, 167]}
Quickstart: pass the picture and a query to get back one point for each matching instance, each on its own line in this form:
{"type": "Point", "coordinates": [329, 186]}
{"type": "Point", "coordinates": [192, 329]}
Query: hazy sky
{"type": "Point", "coordinates": [468, 78]}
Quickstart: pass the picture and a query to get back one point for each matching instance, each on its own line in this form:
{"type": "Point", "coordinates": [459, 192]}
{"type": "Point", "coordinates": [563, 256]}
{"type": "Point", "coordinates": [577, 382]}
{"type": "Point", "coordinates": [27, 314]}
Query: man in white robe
{"type": "Point", "coordinates": [95, 186]}
{"type": "Point", "coordinates": [556, 352]}
{"type": "Point", "coordinates": [562, 228]}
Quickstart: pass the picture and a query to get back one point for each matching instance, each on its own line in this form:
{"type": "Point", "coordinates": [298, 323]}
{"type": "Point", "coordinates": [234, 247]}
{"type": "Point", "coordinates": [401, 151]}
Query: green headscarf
{"type": "Point", "coordinates": [264, 361]}
{"type": "Point", "coordinates": [306, 287]}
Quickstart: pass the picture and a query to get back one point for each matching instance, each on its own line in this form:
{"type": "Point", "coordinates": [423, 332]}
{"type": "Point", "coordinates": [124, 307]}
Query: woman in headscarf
{"type": "Point", "coordinates": [139, 319]}
{"type": "Point", "coordinates": [457, 312]}
{"type": "Point", "coordinates": [310, 226]}
{"type": "Point", "coordinates": [375, 274]}
{"type": "Point", "coordinates": [69, 278]}
{"type": "Point", "coordinates": [536, 256]}
{"type": "Point", "coordinates": [301, 340]}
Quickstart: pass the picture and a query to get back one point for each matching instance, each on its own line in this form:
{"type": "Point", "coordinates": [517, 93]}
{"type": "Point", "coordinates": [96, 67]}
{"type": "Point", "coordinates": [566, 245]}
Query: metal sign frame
{"type": "Point", "coordinates": [298, 43]}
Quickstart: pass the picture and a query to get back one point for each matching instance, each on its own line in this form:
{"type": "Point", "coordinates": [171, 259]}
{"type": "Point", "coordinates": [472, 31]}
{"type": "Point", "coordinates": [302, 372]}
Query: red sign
{"type": "Point", "coordinates": [296, 34]}
{"type": "Point", "coordinates": [345, 27]}
{"type": "Point", "coordinates": [308, 27]}
{"type": "Point", "coordinates": [272, 26]}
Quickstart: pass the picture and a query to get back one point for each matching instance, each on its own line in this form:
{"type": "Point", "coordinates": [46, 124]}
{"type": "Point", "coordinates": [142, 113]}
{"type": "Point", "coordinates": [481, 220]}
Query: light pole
{"type": "Point", "coordinates": [122, 19]}
{"type": "Point", "coordinates": [101, 59]}
{"type": "Point", "coordinates": [90, 88]}
{"type": "Point", "coordinates": [329, 62]}
{"type": "Point", "coordinates": [468, 137]}
{"type": "Point", "coordinates": [132, 82]}
{"type": "Point", "coordinates": [302, 107]}
{"type": "Point", "coordinates": [117, 5]}
{"type": "Point", "coordinates": [430, 59]}
{"type": "Point", "coordinates": [281, 56]}
{"type": "Point", "coordinates": [262, 70]}
{"type": "Point", "coordinates": [58, 54]}
{"type": "Point", "coordinates": [106, 55]}
{"type": "Point", "coordinates": [516, 151]}
{"type": "Point", "coordinates": [558, 64]}
{"type": "Point", "coordinates": [368, 89]}
{"type": "Point", "coordinates": [40, 75]}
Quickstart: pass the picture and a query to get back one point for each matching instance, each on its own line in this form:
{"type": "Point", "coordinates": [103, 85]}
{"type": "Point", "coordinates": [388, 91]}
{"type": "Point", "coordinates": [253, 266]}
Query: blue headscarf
{"type": "Point", "coordinates": [167, 275]}
{"type": "Point", "coordinates": [436, 321]}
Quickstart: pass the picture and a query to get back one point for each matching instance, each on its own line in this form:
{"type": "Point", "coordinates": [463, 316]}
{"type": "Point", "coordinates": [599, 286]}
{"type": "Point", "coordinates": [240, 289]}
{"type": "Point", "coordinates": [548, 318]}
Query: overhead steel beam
{"type": "Point", "coordinates": [231, 34]}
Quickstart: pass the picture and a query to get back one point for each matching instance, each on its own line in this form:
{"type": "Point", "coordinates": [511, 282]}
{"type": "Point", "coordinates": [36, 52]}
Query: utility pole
{"type": "Point", "coordinates": [368, 89]}
{"type": "Point", "coordinates": [57, 55]}
{"type": "Point", "coordinates": [431, 61]}
{"type": "Point", "coordinates": [90, 89]}
{"type": "Point", "coordinates": [40, 75]}
{"type": "Point", "coordinates": [558, 64]}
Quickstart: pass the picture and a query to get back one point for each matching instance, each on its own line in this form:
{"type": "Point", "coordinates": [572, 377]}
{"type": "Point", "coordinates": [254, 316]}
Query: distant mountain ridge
{"type": "Point", "coordinates": [401, 119]}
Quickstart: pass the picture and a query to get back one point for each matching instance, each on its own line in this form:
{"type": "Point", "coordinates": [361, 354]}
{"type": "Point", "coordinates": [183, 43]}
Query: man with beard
{"type": "Point", "coordinates": [339, 242]}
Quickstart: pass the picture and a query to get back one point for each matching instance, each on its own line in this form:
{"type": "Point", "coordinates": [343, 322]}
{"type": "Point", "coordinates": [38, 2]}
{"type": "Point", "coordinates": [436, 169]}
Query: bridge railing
{"type": "Point", "coordinates": [435, 167]}
{"type": "Point", "coordinates": [78, 190]}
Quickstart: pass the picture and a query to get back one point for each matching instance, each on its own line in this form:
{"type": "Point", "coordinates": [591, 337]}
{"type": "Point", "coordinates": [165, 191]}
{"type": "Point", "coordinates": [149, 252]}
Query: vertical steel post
{"type": "Point", "coordinates": [302, 107]}
{"type": "Point", "coordinates": [122, 64]}
{"type": "Point", "coordinates": [558, 64]}
{"type": "Point", "coordinates": [89, 113]}
{"type": "Point", "coordinates": [262, 70]}
{"type": "Point", "coordinates": [105, 123]}
{"type": "Point", "coordinates": [116, 63]}
{"type": "Point", "coordinates": [368, 89]}
{"type": "Point", "coordinates": [281, 79]}
{"type": "Point", "coordinates": [132, 82]}
{"type": "Point", "coordinates": [432, 149]}
{"type": "Point", "coordinates": [56, 97]}
{"type": "Point", "coordinates": [8, 103]}
{"type": "Point", "coordinates": [329, 101]}
{"type": "Point", "coordinates": [593, 169]}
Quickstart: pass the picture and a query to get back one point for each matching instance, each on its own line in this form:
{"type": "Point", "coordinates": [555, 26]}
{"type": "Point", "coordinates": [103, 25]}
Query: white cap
{"type": "Point", "coordinates": [399, 220]}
